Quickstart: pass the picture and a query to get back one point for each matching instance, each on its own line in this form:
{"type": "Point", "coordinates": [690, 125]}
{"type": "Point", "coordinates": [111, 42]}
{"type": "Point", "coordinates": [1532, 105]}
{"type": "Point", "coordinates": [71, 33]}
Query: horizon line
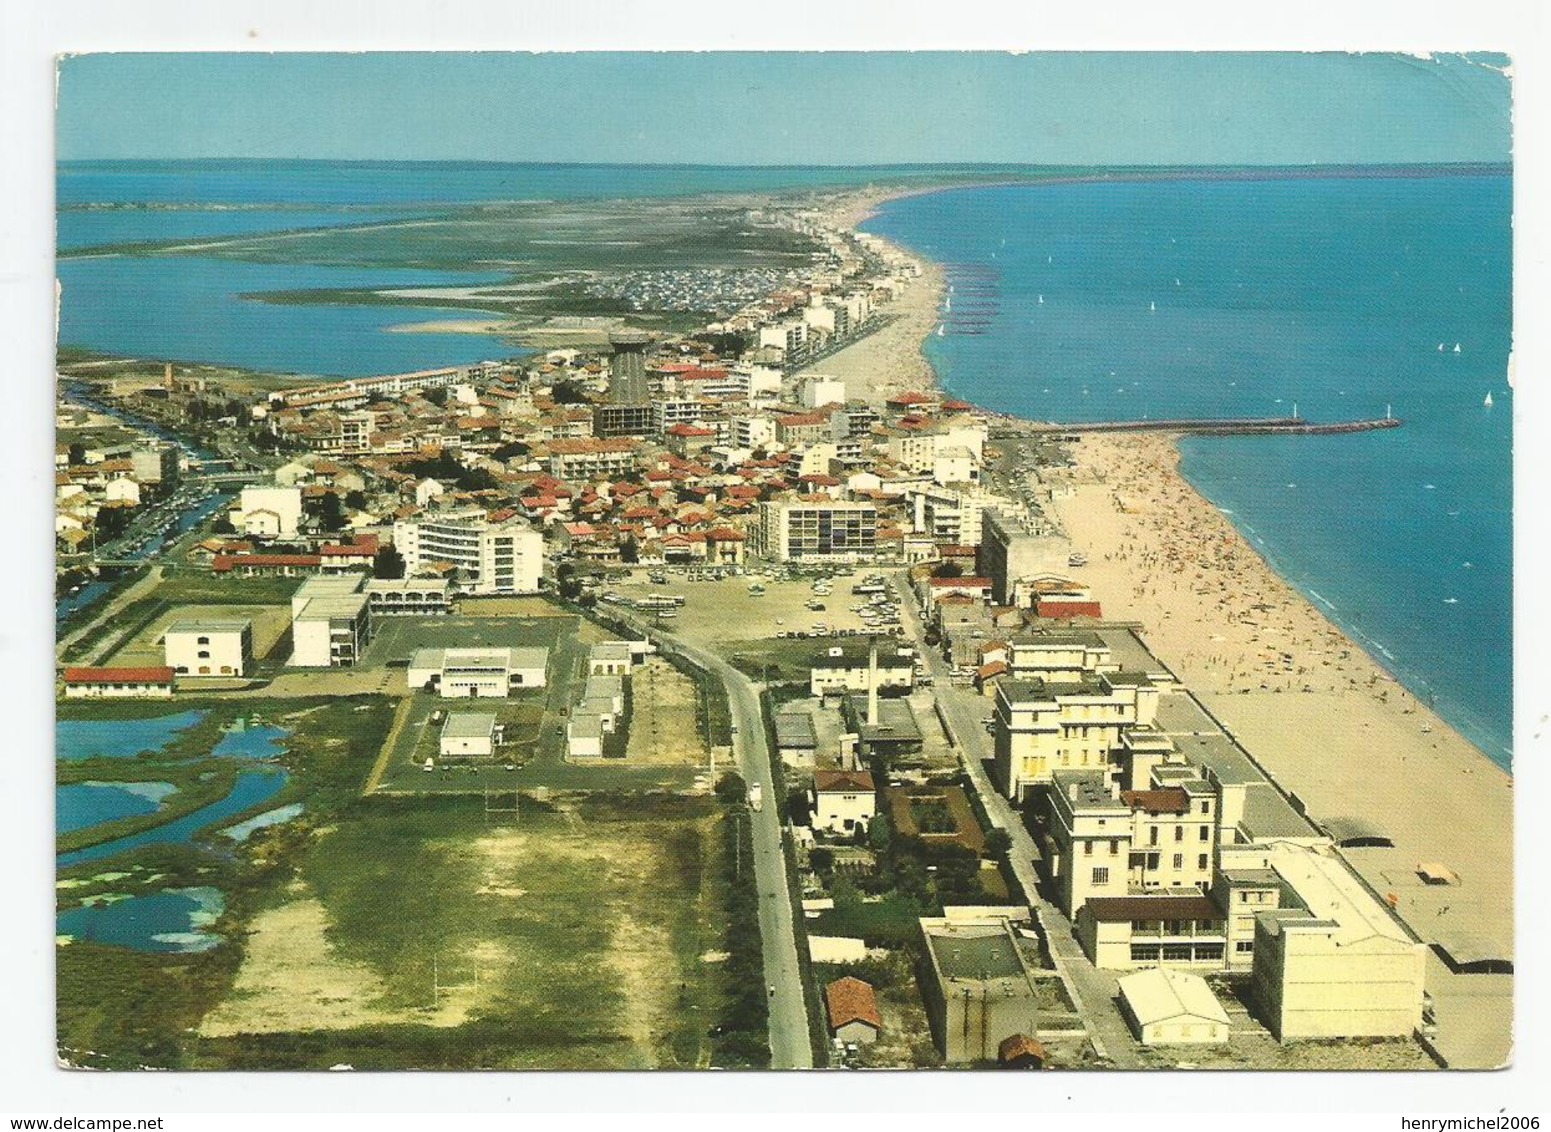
{"type": "Point", "coordinates": [965, 165]}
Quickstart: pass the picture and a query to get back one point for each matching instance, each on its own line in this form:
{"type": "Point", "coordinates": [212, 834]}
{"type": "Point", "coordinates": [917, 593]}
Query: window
{"type": "Point", "coordinates": [1244, 946]}
{"type": "Point", "coordinates": [1176, 953]}
{"type": "Point", "coordinates": [1206, 833]}
{"type": "Point", "coordinates": [1209, 951]}
{"type": "Point", "coordinates": [1201, 861]}
{"type": "Point", "coordinates": [1114, 847]}
{"type": "Point", "coordinates": [1206, 807]}
{"type": "Point", "coordinates": [202, 641]}
{"type": "Point", "coordinates": [1144, 953]}
{"type": "Point", "coordinates": [204, 654]}
{"type": "Point", "coordinates": [1100, 876]}
{"type": "Point", "coordinates": [1087, 848]}
{"type": "Point", "coordinates": [1152, 836]}
{"type": "Point", "coordinates": [1179, 833]}
{"type": "Point", "coordinates": [1179, 860]}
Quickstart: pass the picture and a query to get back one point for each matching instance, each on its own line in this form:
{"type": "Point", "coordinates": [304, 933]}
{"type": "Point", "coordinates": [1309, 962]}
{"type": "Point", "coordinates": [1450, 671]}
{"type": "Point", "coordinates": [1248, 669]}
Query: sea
{"type": "Point", "coordinates": [1099, 297]}
{"type": "Point", "coordinates": [1335, 298]}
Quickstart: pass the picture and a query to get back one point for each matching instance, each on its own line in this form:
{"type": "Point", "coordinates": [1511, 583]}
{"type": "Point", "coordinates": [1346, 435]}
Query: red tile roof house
{"type": "Point", "coordinates": [285, 565]}
{"type": "Point", "coordinates": [852, 1011]}
{"type": "Point", "coordinates": [92, 683]}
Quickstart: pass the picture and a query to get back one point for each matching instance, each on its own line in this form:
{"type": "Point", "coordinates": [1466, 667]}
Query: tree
{"type": "Point", "coordinates": [356, 501]}
{"type": "Point", "coordinates": [437, 395]}
{"type": "Point", "coordinates": [629, 551]}
{"type": "Point", "coordinates": [112, 522]}
{"type": "Point", "coordinates": [222, 525]}
{"type": "Point", "coordinates": [998, 842]}
{"type": "Point", "coordinates": [879, 834]}
{"type": "Point", "coordinates": [568, 393]}
{"type": "Point", "coordinates": [389, 563]}
{"type": "Point", "coordinates": [948, 569]}
{"type": "Point", "coordinates": [77, 454]}
{"type": "Point", "coordinates": [511, 450]}
{"type": "Point", "coordinates": [330, 512]}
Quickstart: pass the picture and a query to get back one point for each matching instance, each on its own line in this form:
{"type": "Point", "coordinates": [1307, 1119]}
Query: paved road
{"type": "Point", "coordinates": [1092, 991]}
{"type": "Point", "coordinates": [789, 1044]}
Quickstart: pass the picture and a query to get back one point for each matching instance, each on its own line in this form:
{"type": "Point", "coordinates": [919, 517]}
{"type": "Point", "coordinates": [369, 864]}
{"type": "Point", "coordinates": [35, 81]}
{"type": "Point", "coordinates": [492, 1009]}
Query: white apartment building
{"type": "Point", "coordinates": [331, 621]}
{"type": "Point", "coordinates": [1042, 726]}
{"type": "Point", "coordinates": [755, 431]}
{"type": "Point", "coordinates": [1110, 842]}
{"type": "Point", "coordinates": [209, 647]}
{"type": "Point", "coordinates": [492, 558]}
{"type": "Point", "coordinates": [590, 458]}
{"type": "Point", "coordinates": [474, 673]}
{"type": "Point", "coordinates": [268, 512]}
{"type": "Point", "coordinates": [948, 514]}
{"type": "Point", "coordinates": [797, 530]}
{"type": "Point", "coordinates": [816, 390]}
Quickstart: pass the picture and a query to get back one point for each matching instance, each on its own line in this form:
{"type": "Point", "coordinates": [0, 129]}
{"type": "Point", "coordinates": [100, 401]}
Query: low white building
{"type": "Point", "coordinates": [469, 734]}
{"type": "Point", "coordinates": [209, 648]}
{"type": "Point", "coordinates": [472, 673]}
{"type": "Point", "coordinates": [118, 683]}
{"type": "Point", "coordinates": [1168, 1007]}
{"type": "Point", "coordinates": [844, 801]}
{"type": "Point", "coordinates": [420, 597]}
{"type": "Point", "coordinates": [584, 737]}
{"type": "Point", "coordinates": [615, 658]}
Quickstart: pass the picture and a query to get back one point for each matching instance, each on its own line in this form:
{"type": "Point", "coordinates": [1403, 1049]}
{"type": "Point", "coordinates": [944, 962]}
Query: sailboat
{"type": "Point", "coordinates": [1488, 402]}
{"type": "Point", "coordinates": [1152, 306]}
{"type": "Point", "coordinates": [1042, 300]}
{"type": "Point", "coordinates": [1456, 347]}
{"type": "Point", "coordinates": [1441, 347]}
{"type": "Point", "coordinates": [939, 330]}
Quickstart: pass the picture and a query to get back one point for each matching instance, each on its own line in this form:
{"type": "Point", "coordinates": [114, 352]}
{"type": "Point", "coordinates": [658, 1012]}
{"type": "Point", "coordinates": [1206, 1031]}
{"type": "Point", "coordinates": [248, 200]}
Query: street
{"type": "Point", "coordinates": [789, 1044]}
{"type": "Point", "coordinates": [1092, 991]}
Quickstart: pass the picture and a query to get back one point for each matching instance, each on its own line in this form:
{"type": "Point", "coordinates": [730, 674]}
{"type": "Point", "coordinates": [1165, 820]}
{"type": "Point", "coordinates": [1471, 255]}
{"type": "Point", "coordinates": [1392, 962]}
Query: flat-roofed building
{"type": "Point", "coordinates": [978, 991]}
{"type": "Point", "coordinates": [1057, 655]}
{"type": "Point", "coordinates": [212, 647]}
{"type": "Point", "coordinates": [818, 528]}
{"type": "Point", "coordinates": [331, 632]}
{"type": "Point", "coordinates": [1334, 962]}
{"type": "Point", "coordinates": [420, 597]}
{"type": "Point", "coordinates": [610, 658]}
{"type": "Point", "coordinates": [1014, 547]}
{"type": "Point", "coordinates": [848, 668]}
{"type": "Point", "coordinates": [468, 734]}
{"type": "Point", "coordinates": [1163, 927]}
{"type": "Point", "coordinates": [268, 511]}
{"type": "Point", "coordinates": [491, 558]}
{"type": "Point", "coordinates": [1044, 725]}
{"type": "Point", "coordinates": [118, 683]}
{"type": "Point", "coordinates": [472, 673]}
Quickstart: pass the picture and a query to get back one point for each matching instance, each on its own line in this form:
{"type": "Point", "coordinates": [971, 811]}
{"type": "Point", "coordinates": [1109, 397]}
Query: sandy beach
{"type": "Point", "coordinates": [1307, 702]}
{"type": "Point", "coordinates": [887, 361]}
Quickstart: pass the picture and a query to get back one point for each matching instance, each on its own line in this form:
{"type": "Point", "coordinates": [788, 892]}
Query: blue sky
{"type": "Point", "coordinates": [768, 108]}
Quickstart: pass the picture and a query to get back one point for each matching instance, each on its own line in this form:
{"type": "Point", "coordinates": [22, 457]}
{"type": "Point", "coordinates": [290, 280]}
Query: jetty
{"type": "Point", "coordinates": [1210, 426]}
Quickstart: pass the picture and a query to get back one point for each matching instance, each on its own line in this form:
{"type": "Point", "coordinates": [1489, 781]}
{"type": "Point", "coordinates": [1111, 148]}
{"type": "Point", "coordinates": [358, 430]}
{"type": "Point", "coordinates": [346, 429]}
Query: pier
{"type": "Point", "coordinates": [1209, 426]}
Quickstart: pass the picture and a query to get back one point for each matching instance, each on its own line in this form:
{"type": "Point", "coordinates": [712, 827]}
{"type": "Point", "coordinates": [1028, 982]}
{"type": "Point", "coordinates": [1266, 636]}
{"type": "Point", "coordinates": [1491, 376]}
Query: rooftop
{"type": "Point", "coordinates": [469, 725]}
{"type": "Point", "coordinates": [850, 1000]}
{"type": "Point", "coordinates": [973, 951]}
{"type": "Point", "coordinates": [230, 625]}
{"type": "Point", "coordinates": [1160, 994]}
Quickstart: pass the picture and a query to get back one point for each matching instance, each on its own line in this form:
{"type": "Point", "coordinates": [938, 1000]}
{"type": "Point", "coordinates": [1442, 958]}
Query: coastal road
{"type": "Point", "coordinates": [1092, 991]}
{"type": "Point", "coordinates": [789, 1044]}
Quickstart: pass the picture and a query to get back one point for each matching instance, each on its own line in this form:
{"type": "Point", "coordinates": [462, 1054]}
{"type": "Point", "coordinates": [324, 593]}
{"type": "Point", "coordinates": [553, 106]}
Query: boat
{"type": "Point", "coordinates": [1441, 347]}
{"type": "Point", "coordinates": [1041, 300]}
{"type": "Point", "coordinates": [1456, 347]}
{"type": "Point", "coordinates": [1488, 401]}
{"type": "Point", "coordinates": [1152, 306]}
{"type": "Point", "coordinates": [939, 330]}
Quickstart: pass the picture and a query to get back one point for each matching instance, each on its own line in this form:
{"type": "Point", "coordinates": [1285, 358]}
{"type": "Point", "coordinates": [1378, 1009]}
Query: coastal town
{"type": "Point", "coordinates": [831, 720]}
